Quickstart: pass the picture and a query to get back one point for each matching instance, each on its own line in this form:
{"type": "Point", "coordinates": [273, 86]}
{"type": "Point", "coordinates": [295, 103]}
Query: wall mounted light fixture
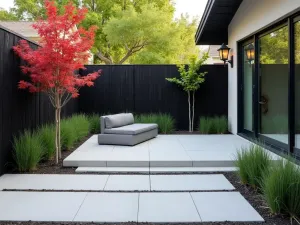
{"type": "Point", "coordinates": [224, 54]}
{"type": "Point", "coordinates": [250, 53]}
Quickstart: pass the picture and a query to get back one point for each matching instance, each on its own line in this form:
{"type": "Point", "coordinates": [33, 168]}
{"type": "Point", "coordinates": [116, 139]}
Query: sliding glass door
{"type": "Point", "coordinates": [273, 75]}
{"type": "Point", "coordinates": [247, 87]}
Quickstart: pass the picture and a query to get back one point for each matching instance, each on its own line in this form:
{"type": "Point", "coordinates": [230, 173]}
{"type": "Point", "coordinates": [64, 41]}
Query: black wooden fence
{"type": "Point", "coordinates": [19, 109]}
{"type": "Point", "coordinates": [144, 89]}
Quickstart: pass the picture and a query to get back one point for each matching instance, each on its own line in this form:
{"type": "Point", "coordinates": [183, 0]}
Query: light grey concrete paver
{"type": "Point", "coordinates": [224, 206]}
{"type": "Point", "coordinates": [52, 182]}
{"type": "Point", "coordinates": [128, 183]}
{"type": "Point", "coordinates": [167, 207]}
{"type": "Point", "coordinates": [128, 158]}
{"type": "Point", "coordinates": [207, 182]}
{"type": "Point", "coordinates": [39, 206]}
{"type": "Point", "coordinates": [161, 145]}
{"type": "Point", "coordinates": [169, 158]}
{"type": "Point", "coordinates": [112, 170]}
{"type": "Point", "coordinates": [87, 158]}
{"type": "Point", "coordinates": [154, 170]}
{"type": "Point", "coordinates": [109, 207]}
{"type": "Point", "coordinates": [212, 158]}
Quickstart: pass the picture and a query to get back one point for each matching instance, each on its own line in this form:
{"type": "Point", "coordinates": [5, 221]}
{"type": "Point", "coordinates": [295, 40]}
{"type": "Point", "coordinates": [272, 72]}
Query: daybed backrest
{"type": "Point", "coordinates": [117, 120]}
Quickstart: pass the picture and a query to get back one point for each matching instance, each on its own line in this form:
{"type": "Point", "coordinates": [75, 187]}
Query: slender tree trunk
{"type": "Point", "coordinates": [189, 101]}
{"type": "Point", "coordinates": [56, 135]}
{"type": "Point", "coordinates": [193, 115]}
{"type": "Point", "coordinates": [59, 138]}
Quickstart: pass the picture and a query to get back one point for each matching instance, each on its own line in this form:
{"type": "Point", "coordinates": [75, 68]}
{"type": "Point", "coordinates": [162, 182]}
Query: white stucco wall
{"type": "Point", "coordinates": [251, 16]}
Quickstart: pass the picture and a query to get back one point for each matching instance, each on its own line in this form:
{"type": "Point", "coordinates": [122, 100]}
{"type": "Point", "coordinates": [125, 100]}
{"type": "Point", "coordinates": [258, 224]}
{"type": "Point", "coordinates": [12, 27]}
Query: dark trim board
{"type": "Point", "coordinates": [216, 17]}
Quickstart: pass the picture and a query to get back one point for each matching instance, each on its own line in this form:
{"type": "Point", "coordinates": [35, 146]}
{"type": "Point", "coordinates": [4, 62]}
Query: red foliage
{"type": "Point", "coordinates": [63, 50]}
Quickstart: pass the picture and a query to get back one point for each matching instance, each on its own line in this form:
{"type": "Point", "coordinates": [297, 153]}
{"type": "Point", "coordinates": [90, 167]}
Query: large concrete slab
{"type": "Point", "coordinates": [128, 159]}
{"type": "Point", "coordinates": [224, 206]}
{"type": "Point", "coordinates": [52, 182]}
{"type": "Point", "coordinates": [128, 183]}
{"type": "Point", "coordinates": [109, 207]}
{"type": "Point", "coordinates": [167, 208]}
{"type": "Point", "coordinates": [169, 158]}
{"type": "Point", "coordinates": [216, 182]}
{"type": "Point", "coordinates": [40, 206]}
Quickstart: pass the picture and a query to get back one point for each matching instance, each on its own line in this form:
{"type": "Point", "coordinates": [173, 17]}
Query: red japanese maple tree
{"type": "Point", "coordinates": [63, 50]}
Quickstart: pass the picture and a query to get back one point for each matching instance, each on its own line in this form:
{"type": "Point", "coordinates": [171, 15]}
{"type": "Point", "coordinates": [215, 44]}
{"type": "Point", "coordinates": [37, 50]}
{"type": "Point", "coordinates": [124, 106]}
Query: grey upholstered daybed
{"type": "Point", "coordinates": [120, 129]}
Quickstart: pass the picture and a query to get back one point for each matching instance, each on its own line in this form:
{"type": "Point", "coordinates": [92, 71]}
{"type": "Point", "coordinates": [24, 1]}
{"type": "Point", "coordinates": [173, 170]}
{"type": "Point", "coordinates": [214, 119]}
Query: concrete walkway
{"type": "Point", "coordinates": [214, 182]}
{"type": "Point", "coordinates": [174, 207]}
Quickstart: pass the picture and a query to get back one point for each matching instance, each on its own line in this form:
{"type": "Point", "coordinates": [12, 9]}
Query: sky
{"type": "Point", "coordinates": [194, 8]}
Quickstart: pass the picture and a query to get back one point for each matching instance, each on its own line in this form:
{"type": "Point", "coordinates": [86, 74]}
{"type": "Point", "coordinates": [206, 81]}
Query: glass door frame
{"type": "Point", "coordinates": [274, 144]}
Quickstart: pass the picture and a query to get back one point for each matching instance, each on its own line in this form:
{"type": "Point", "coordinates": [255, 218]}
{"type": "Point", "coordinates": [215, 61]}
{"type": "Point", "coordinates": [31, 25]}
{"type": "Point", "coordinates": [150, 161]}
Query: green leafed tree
{"type": "Point", "coordinates": [130, 31]}
{"type": "Point", "coordinates": [190, 80]}
{"type": "Point", "coordinates": [7, 15]}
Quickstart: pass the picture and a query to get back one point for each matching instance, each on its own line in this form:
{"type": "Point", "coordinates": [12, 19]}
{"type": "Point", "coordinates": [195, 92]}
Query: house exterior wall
{"type": "Point", "coordinates": [252, 16]}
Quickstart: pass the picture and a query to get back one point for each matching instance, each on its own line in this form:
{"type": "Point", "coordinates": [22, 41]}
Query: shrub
{"type": "Point", "coordinates": [213, 125]}
{"type": "Point", "coordinates": [27, 151]}
{"type": "Point", "coordinates": [220, 124]}
{"type": "Point", "coordinates": [253, 163]}
{"type": "Point", "coordinates": [165, 122]}
{"type": "Point", "coordinates": [47, 137]}
{"type": "Point", "coordinates": [94, 123]}
{"type": "Point", "coordinates": [81, 126]}
{"type": "Point", "coordinates": [68, 134]}
{"type": "Point", "coordinates": [205, 125]}
{"type": "Point", "coordinates": [281, 189]}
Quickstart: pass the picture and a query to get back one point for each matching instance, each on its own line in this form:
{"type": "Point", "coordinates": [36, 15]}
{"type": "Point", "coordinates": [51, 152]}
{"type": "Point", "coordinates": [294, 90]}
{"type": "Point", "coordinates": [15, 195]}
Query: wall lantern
{"type": "Point", "coordinates": [250, 53]}
{"type": "Point", "coordinates": [224, 54]}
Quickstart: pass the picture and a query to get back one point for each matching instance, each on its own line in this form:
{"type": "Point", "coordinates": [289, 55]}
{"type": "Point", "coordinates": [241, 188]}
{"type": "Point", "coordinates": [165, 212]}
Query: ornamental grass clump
{"type": "Point", "coordinates": [47, 137]}
{"type": "Point", "coordinates": [81, 126]}
{"type": "Point", "coordinates": [205, 125]}
{"type": "Point", "coordinates": [94, 123]}
{"type": "Point", "coordinates": [28, 151]}
{"type": "Point", "coordinates": [165, 122]}
{"type": "Point", "coordinates": [68, 134]}
{"type": "Point", "coordinates": [281, 189]}
{"type": "Point", "coordinates": [253, 163]}
{"type": "Point", "coordinates": [220, 124]}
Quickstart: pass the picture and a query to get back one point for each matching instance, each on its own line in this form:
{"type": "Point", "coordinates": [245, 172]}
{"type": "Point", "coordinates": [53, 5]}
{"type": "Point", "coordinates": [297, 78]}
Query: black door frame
{"type": "Point", "coordinates": [273, 144]}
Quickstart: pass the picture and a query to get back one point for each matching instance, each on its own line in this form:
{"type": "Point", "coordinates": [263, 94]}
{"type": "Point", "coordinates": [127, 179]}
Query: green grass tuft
{"type": "Point", "coordinates": [253, 163]}
{"type": "Point", "coordinates": [281, 189]}
{"type": "Point", "coordinates": [165, 122]}
{"type": "Point", "coordinates": [213, 125]}
{"type": "Point", "coordinates": [94, 121]}
{"type": "Point", "coordinates": [81, 126]}
{"type": "Point", "coordinates": [27, 151]}
{"type": "Point", "coordinates": [68, 134]}
{"type": "Point", "coordinates": [47, 137]}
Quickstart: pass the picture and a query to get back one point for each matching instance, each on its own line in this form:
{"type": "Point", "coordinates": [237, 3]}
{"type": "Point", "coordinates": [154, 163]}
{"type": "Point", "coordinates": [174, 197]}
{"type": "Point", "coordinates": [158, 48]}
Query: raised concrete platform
{"type": "Point", "coordinates": [162, 151]}
{"type": "Point", "coordinates": [126, 207]}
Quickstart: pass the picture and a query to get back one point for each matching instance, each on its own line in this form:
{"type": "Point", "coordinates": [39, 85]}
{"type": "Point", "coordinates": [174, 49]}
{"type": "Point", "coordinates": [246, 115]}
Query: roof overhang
{"type": "Point", "coordinates": [213, 27]}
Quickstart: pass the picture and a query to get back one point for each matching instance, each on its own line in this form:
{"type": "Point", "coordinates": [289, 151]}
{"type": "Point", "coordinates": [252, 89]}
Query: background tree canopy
{"type": "Point", "coordinates": [130, 31]}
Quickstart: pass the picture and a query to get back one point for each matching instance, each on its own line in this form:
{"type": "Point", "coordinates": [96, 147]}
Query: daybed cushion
{"type": "Point", "coordinates": [132, 129]}
{"type": "Point", "coordinates": [118, 120]}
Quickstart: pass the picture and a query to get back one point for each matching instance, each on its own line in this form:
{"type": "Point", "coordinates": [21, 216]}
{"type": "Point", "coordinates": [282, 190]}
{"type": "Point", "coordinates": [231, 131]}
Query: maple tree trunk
{"type": "Point", "coordinates": [59, 138]}
{"type": "Point", "coordinates": [56, 135]}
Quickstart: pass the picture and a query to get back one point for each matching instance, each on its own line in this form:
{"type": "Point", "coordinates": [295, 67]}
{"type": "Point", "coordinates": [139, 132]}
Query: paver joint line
{"type": "Point", "coordinates": [106, 182]}
{"type": "Point", "coordinates": [80, 207]}
{"type": "Point", "coordinates": [195, 206]}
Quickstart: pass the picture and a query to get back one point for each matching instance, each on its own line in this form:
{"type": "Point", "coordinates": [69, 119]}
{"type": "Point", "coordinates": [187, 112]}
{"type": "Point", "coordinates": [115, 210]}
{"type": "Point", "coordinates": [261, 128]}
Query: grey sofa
{"type": "Point", "coordinates": [120, 129]}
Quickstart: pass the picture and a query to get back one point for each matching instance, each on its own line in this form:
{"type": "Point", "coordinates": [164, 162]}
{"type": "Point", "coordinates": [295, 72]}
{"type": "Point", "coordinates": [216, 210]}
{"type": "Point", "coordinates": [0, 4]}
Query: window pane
{"type": "Point", "coordinates": [274, 84]}
{"type": "Point", "coordinates": [297, 83]}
